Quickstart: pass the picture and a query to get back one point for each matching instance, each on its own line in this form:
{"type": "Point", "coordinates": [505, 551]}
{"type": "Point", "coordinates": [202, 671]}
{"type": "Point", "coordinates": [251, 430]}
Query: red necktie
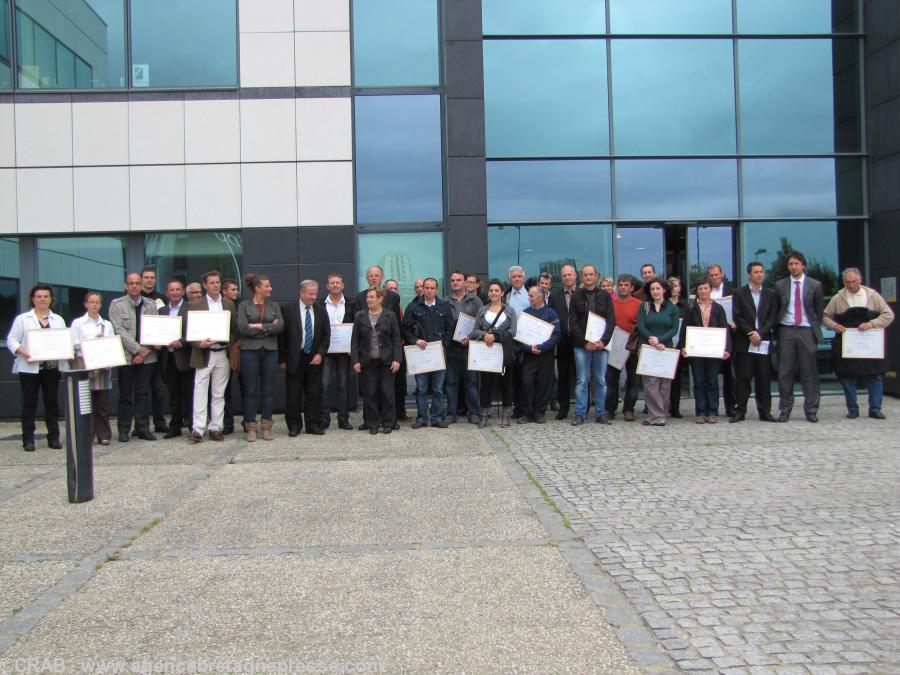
{"type": "Point", "coordinates": [798, 305]}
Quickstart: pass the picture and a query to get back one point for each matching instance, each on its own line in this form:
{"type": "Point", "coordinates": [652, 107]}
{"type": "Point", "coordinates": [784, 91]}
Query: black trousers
{"type": "Point", "coordinates": [228, 417]}
{"type": "Point", "coordinates": [100, 428]}
{"type": "Point", "coordinates": [486, 389]}
{"type": "Point", "coordinates": [632, 385]}
{"type": "Point", "coordinates": [181, 395]}
{"type": "Point", "coordinates": [675, 390]}
{"type": "Point", "coordinates": [537, 382]}
{"type": "Point", "coordinates": [134, 396]}
{"type": "Point", "coordinates": [729, 390]}
{"type": "Point", "coordinates": [400, 390]}
{"type": "Point", "coordinates": [565, 369]}
{"type": "Point", "coordinates": [303, 399]}
{"type": "Point", "coordinates": [159, 395]}
{"type": "Point", "coordinates": [45, 382]}
{"type": "Point", "coordinates": [756, 367]}
{"type": "Point", "coordinates": [377, 383]}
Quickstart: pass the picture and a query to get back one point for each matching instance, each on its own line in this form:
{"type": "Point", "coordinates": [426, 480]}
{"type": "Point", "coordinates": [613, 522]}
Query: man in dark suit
{"type": "Point", "coordinates": [560, 300]}
{"type": "Point", "coordinates": [302, 347]}
{"type": "Point", "coordinates": [801, 302]}
{"type": "Point", "coordinates": [175, 363]}
{"type": "Point", "coordinates": [754, 311]}
{"type": "Point", "coordinates": [336, 367]}
{"type": "Point", "coordinates": [719, 289]}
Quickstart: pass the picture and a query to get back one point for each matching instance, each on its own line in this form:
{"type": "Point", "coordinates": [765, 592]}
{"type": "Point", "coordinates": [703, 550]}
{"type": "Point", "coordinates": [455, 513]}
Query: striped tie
{"type": "Point", "coordinates": [307, 332]}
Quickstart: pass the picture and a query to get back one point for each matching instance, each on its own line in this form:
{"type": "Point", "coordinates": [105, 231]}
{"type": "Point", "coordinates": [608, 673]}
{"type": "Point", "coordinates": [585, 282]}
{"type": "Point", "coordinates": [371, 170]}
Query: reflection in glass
{"type": "Point", "coordinates": [70, 45]}
{"type": "Point", "coordinates": [395, 43]}
{"type": "Point", "coordinates": [676, 188]}
{"type": "Point", "coordinates": [709, 245]}
{"type": "Point", "coordinates": [665, 16]}
{"type": "Point", "coordinates": [548, 190]}
{"type": "Point", "coordinates": [187, 255]}
{"type": "Point", "coordinates": [75, 265]}
{"type": "Point", "coordinates": [5, 51]}
{"type": "Point", "coordinates": [183, 44]}
{"type": "Point", "coordinates": [539, 17]}
{"type": "Point", "coordinates": [797, 17]}
{"type": "Point", "coordinates": [9, 282]}
{"type": "Point", "coordinates": [639, 246]}
{"type": "Point", "coordinates": [398, 159]}
{"type": "Point", "coordinates": [545, 98]}
{"type": "Point", "coordinates": [404, 256]}
{"type": "Point", "coordinates": [789, 187]}
{"type": "Point", "coordinates": [673, 96]}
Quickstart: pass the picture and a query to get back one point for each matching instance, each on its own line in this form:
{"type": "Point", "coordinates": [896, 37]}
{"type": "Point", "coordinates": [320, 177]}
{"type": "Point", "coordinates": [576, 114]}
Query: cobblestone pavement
{"type": "Point", "coordinates": [742, 548]}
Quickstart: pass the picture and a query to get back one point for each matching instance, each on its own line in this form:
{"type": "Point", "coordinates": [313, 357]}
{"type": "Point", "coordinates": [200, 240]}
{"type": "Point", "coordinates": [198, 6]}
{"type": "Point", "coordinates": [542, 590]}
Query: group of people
{"type": "Point", "coordinates": [194, 378]}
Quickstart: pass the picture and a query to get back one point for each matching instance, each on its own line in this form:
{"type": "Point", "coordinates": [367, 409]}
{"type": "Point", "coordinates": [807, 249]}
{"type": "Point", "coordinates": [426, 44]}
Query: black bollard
{"type": "Point", "coordinates": [79, 439]}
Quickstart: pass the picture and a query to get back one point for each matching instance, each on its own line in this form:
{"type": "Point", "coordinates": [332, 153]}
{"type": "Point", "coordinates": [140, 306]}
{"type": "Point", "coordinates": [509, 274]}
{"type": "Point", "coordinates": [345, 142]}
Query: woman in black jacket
{"type": "Point", "coordinates": [375, 354]}
{"type": "Point", "coordinates": [706, 313]}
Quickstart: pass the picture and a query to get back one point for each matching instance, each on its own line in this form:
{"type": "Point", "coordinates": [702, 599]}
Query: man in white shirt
{"type": "Point", "coordinates": [336, 366]}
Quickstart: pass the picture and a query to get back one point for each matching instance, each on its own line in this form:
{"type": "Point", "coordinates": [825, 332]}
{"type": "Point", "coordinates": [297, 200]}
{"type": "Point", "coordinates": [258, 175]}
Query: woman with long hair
{"type": "Point", "coordinates": [495, 325]}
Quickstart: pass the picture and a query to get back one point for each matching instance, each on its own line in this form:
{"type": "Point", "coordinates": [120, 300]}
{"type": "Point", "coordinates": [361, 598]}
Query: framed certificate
{"type": "Point", "coordinates": [532, 331]}
{"type": "Point", "coordinates": [726, 304]}
{"type": "Point", "coordinates": [862, 344]}
{"type": "Point", "coordinates": [705, 342]}
{"type": "Point", "coordinates": [50, 344]}
{"type": "Point", "coordinates": [205, 325]}
{"type": "Point", "coordinates": [340, 338]}
{"type": "Point", "coordinates": [464, 325]}
{"type": "Point", "coordinates": [658, 362]}
{"type": "Point", "coordinates": [159, 329]}
{"type": "Point", "coordinates": [618, 355]}
{"type": "Point", "coordinates": [487, 359]}
{"type": "Point", "coordinates": [106, 352]}
{"type": "Point", "coordinates": [420, 361]}
{"type": "Point", "coordinates": [596, 326]}
{"type": "Point", "coordinates": [761, 349]}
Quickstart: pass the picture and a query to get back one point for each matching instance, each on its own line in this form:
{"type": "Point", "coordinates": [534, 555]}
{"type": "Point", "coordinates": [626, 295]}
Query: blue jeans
{"type": "Point", "coordinates": [706, 385]}
{"type": "Point", "coordinates": [590, 365]}
{"type": "Point", "coordinates": [437, 396]}
{"type": "Point", "coordinates": [258, 370]}
{"type": "Point", "coordinates": [456, 370]}
{"type": "Point", "coordinates": [875, 384]}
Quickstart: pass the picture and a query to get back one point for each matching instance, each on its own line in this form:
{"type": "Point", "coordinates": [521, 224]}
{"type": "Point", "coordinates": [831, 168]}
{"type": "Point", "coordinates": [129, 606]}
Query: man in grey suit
{"type": "Point", "coordinates": [801, 302]}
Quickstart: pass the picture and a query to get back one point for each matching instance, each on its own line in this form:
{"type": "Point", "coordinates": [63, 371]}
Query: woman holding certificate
{"type": "Point", "coordinates": [705, 313]}
{"type": "Point", "coordinates": [36, 375]}
{"type": "Point", "coordinates": [259, 323]}
{"type": "Point", "coordinates": [375, 354]}
{"type": "Point", "coordinates": [89, 327]}
{"type": "Point", "coordinates": [658, 325]}
{"type": "Point", "coordinates": [495, 325]}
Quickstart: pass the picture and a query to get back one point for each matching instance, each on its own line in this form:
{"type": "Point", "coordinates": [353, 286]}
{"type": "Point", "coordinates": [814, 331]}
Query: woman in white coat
{"type": "Point", "coordinates": [37, 376]}
{"type": "Point", "coordinates": [89, 327]}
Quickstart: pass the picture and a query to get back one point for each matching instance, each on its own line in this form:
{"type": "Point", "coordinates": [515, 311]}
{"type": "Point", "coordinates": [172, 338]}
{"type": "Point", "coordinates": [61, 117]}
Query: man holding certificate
{"type": "Point", "coordinates": [175, 363]}
{"type": "Point", "coordinates": [723, 294]}
{"type": "Point", "coordinates": [461, 303]}
{"type": "Point", "coordinates": [706, 363]}
{"type": "Point", "coordinates": [857, 312]}
{"type": "Point", "coordinates": [341, 311]}
{"type": "Point", "coordinates": [625, 306]}
{"type": "Point", "coordinates": [537, 366]}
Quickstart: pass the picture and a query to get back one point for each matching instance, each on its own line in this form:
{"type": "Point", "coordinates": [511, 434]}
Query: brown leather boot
{"type": "Point", "coordinates": [267, 430]}
{"type": "Point", "coordinates": [250, 428]}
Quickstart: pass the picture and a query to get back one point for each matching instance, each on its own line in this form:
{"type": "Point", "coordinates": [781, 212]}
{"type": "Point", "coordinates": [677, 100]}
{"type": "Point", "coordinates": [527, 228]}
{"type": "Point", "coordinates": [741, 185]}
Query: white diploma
{"type": "Point", "coordinates": [726, 304]}
{"type": "Point", "coordinates": [484, 358]}
{"type": "Point", "coordinates": [106, 352]}
{"type": "Point", "coordinates": [420, 361]}
{"type": "Point", "coordinates": [532, 331]}
{"type": "Point", "coordinates": [50, 344]}
{"type": "Point", "coordinates": [340, 338]}
{"type": "Point", "coordinates": [677, 337]}
{"type": "Point", "coordinates": [618, 355]}
{"type": "Point", "coordinates": [464, 325]}
{"type": "Point", "coordinates": [159, 329]}
{"type": "Point", "coordinates": [862, 344]}
{"type": "Point", "coordinates": [657, 362]}
{"type": "Point", "coordinates": [706, 342]}
{"type": "Point", "coordinates": [203, 325]}
{"type": "Point", "coordinates": [762, 348]}
{"type": "Point", "coordinates": [596, 326]}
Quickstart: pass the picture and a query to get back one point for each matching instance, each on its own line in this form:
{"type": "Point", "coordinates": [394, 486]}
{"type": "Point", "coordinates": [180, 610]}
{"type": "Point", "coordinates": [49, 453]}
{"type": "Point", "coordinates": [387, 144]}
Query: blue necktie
{"type": "Point", "coordinates": [307, 332]}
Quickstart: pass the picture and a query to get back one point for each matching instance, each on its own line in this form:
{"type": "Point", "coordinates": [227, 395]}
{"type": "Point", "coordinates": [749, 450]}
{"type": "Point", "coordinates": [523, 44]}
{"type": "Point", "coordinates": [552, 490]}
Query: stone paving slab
{"type": "Point", "coordinates": [21, 582]}
{"type": "Point", "coordinates": [348, 503]}
{"type": "Point", "coordinates": [15, 476]}
{"type": "Point", "coordinates": [484, 610]}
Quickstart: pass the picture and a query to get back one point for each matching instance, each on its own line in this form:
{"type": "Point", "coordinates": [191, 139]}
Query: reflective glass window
{"type": "Point", "coordinates": [183, 44]}
{"type": "Point", "coordinates": [395, 43]}
{"type": "Point", "coordinates": [187, 255]}
{"type": "Point", "coordinates": [676, 188]}
{"type": "Point", "coordinates": [404, 256]}
{"type": "Point", "coordinates": [398, 159]}
{"type": "Point", "coordinates": [546, 248]}
{"type": "Point", "coordinates": [801, 187]}
{"type": "Point", "coordinates": [9, 282]}
{"type": "Point", "coordinates": [673, 96]}
{"type": "Point", "coordinates": [539, 17]}
{"type": "Point", "coordinates": [797, 17]}
{"type": "Point", "coordinates": [710, 245]}
{"type": "Point", "coordinates": [70, 45]}
{"type": "Point", "coordinates": [76, 265]}
{"type": "Point", "coordinates": [545, 98]}
{"type": "Point", "coordinates": [5, 51]}
{"type": "Point", "coordinates": [665, 16]}
{"type": "Point", "coordinates": [639, 246]}
{"type": "Point", "coordinates": [548, 190]}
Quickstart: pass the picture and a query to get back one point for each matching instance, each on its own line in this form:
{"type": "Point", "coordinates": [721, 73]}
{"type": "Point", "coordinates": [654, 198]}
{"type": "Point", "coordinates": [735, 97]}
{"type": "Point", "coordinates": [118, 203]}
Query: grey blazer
{"type": "Point", "coordinates": [482, 325]}
{"type": "Point", "coordinates": [813, 302]}
{"type": "Point", "coordinates": [121, 316]}
{"type": "Point", "coordinates": [259, 338]}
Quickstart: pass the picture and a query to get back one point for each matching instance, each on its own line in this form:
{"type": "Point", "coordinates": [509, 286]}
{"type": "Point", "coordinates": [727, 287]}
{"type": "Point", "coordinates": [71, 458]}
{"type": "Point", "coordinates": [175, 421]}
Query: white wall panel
{"type": "Point", "coordinates": [213, 196]}
{"type": "Point", "coordinates": [44, 134]}
{"type": "Point", "coordinates": [100, 133]}
{"type": "Point", "coordinates": [101, 199]}
{"type": "Point", "coordinates": [7, 135]}
{"type": "Point", "coordinates": [321, 15]}
{"type": "Point", "coordinates": [157, 198]}
{"type": "Point", "coordinates": [156, 132]}
{"type": "Point", "coordinates": [266, 16]}
{"type": "Point", "coordinates": [268, 130]}
{"type": "Point", "coordinates": [212, 131]}
{"type": "Point", "coordinates": [324, 129]}
{"type": "Point", "coordinates": [269, 195]}
{"type": "Point", "coordinates": [8, 217]}
{"type": "Point", "coordinates": [325, 192]}
{"type": "Point", "coordinates": [267, 60]}
{"type": "Point", "coordinates": [322, 59]}
{"type": "Point", "coordinates": [44, 199]}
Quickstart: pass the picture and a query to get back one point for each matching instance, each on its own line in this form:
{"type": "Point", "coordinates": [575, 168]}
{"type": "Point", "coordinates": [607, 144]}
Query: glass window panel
{"type": "Point", "coordinates": [404, 256]}
{"type": "Point", "coordinates": [539, 17]}
{"type": "Point", "coordinates": [5, 52]}
{"type": "Point", "coordinates": [797, 17]}
{"type": "Point", "coordinates": [639, 246]}
{"type": "Point", "coordinates": [801, 187]}
{"type": "Point", "coordinates": [75, 265]}
{"type": "Point", "coordinates": [44, 57]}
{"type": "Point", "coordinates": [187, 255]}
{"type": "Point", "coordinates": [180, 44]}
{"type": "Point", "coordinates": [83, 75]}
{"type": "Point", "coordinates": [673, 96]}
{"type": "Point", "coordinates": [665, 16]}
{"type": "Point", "coordinates": [789, 93]}
{"type": "Point", "coordinates": [545, 98]}
{"type": "Point", "coordinates": [395, 43]}
{"type": "Point", "coordinates": [25, 49]}
{"type": "Point", "coordinates": [65, 67]}
{"type": "Point", "coordinates": [398, 159]}
{"type": "Point", "coordinates": [710, 245]}
{"type": "Point", "coordinates": [546, 248]}
{"type": "Point", "coordinates": [680, 189]}
{"type": "Point", "coordinates": [548, 190]}
{"type": "Point", "coordinates": [9, 283]}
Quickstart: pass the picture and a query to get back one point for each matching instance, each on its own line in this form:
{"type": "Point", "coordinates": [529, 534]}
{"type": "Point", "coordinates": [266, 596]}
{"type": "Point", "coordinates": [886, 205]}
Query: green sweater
{"type": "Point", "coordinates": [663, 325]}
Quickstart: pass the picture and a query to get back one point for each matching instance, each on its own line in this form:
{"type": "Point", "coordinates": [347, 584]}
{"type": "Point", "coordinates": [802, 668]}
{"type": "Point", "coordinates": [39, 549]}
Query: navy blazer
{"type": "Point", "coordinates": [745, 316]}
{"type": "Point", "coordinates": [290, 341]}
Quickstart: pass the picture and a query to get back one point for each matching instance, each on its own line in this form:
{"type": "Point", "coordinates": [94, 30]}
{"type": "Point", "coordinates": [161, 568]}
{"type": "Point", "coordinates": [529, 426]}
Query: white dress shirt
{"type": "Point", "coordinates": [788, 318]}
{"type": "Point", "coordinates": [335, 310]}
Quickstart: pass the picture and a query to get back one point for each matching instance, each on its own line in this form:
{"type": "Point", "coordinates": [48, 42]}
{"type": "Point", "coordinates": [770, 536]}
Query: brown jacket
{"type": "Point", "coordinates": [200, 356]}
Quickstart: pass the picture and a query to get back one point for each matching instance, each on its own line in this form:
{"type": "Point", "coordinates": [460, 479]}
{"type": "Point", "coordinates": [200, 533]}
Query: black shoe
{"type": "Point", "coordinates": [315, 431]}
{"type": "Point", "coordinates": [877, 415]}
{"type": "Point", "coordinates": [28, 446]}
{"type": "Point", "coordinates": [419, 425]}
{"type": "Point", "coordinates": [373, 430]}
{"type": "Point", "coordinates": [54, 443]}
{"type": "Point", "coordinates": [401, 415]}
{"type": "Point", "coordinates": [227, 431]}
{"type": "Point", "coordinates": [146, 435]}
{"type": "Point", "coordinates": [440, 425]}
{"type": "Point", "coordinates": [677, 414]}
{"type": "Point", "coordinates": [812, 418]}
{"type": "Point", "coordinates": [345, 425]}
{"type": "Point", "coordinates": [766, 417]}
{"type": "Point", "coordinates": [161, 429]}
{"type": "Point", "coordinates": [737, 417]}
{"type": "Point", "coordinates": [539, 419]}
{"type": "Point", "coordinates": [294, 431]}
{"type": "Point", "coordinates": [578, 420]}
{"type": "Point", "coordinates": [562, 414]}
{"type": "Point", "coordinates": [516, 414]}
{"type": "Point", "coordinates": [396, 426]}
{"type": "Point", "coordinates": [853, 414]}
{"type": "Point", "coordinates": [173, 432]}
{"type": "Point", "coordinates": [602, 418]}
{"type": "Point", "coordinates": [124, 436]}
{"type": "Point", "coordinates": [363, 427]}
{"type": "Point", "coordinates": [783, 417]}
{"type": "Point", "coordinates": [524, 419]}
{"type": "Point", "coordinates": [387, 430]}
{"type": "Point", "coordinates": [134, 432]}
